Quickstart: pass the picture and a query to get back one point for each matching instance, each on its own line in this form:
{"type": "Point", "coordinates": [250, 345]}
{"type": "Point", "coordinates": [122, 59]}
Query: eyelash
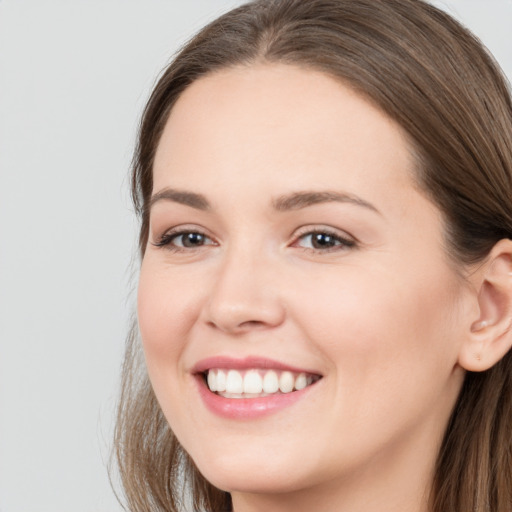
{"type": "Point", "coordinates": [341, 242]}
{"type": "Point", "coordinates": [167, 238]}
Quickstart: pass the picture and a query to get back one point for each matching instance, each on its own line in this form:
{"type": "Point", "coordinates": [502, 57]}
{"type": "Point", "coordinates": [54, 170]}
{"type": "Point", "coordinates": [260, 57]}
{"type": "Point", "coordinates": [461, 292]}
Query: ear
{"type": "Point", "coordinates": [490, 336]}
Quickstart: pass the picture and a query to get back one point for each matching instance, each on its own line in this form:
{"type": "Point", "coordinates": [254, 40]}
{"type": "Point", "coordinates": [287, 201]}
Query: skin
{"type": "Point", "coordinates": [382, 319]}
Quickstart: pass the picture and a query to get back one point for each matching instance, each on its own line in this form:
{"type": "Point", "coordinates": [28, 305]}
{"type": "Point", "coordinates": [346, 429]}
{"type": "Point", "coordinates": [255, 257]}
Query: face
{"type": "Point", "coordinates": [290, 252]}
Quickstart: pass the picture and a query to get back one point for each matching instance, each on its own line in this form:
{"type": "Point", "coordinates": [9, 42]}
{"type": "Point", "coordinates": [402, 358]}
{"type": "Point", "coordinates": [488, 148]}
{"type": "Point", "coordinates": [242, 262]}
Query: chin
{"type": "Point", "coordinates": [245, 474]}
{"type": "Point", "coordinates": [254, 482]}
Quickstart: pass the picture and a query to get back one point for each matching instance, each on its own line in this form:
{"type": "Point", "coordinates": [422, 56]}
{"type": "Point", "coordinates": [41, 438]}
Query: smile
{"type": "Point", "coordinates": [256, 382]}
{"type": "Point", "coordinates": [251, 387]}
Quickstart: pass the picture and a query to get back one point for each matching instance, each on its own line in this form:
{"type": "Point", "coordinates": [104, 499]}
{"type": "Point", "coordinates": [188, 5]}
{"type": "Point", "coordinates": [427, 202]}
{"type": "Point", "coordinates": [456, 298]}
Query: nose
{"type": "Point", "coordinates": [244, 295]}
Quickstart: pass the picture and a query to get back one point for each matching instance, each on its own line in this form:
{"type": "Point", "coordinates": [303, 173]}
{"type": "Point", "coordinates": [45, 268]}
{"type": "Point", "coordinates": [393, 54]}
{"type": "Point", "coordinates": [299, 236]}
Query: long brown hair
{"type": "Point", "coordinates": [433, 77]}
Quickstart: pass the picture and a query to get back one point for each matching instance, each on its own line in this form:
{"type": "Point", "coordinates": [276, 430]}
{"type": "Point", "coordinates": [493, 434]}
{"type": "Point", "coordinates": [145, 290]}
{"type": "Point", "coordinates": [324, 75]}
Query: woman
{"type": "Point", "coordinates": [325, 296]}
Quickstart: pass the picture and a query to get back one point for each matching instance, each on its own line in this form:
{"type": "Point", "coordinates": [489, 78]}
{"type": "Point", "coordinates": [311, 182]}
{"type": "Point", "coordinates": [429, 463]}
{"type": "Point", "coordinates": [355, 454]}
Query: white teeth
{"type": "Point", "coordinates": [300, 382]}
{"type": "Point", "coordinates": [234, 382]}
{"type": "Point", "coordinates": [286, 382]}
{"type": "Point", "coordinates": [221, 380]}
{"type": "Point", "coordinates": [270, 382]}
{"type": "Point", "coordinates": [212, 381]}
{"type": "Point", "coordinates": [253, 383]}
{"type": "Point", "coordinates": [256, 382]}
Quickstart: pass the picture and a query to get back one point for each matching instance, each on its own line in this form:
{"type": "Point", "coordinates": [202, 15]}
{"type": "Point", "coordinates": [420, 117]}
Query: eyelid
{"type": "Point", "coordinates": [322, 228]}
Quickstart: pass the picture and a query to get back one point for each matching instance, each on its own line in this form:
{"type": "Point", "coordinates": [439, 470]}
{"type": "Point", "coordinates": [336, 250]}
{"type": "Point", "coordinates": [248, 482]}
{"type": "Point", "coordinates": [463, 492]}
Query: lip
{"type": "Point", "coordinates": [247, 408]}
{"type": "Point", "coordinates": [246, 363]}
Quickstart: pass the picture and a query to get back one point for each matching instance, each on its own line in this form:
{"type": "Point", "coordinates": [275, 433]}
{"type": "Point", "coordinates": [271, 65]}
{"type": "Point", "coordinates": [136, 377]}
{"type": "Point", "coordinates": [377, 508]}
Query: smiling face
{"type": "Point", "coordinates": [289, 246]}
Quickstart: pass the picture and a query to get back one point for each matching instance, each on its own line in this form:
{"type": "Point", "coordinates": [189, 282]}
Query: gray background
{"type": "Point", "coordinates": [74, 75]}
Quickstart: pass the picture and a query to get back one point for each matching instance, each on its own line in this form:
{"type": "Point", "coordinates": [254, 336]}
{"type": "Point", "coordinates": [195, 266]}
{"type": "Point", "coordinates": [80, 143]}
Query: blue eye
{"type": "Point", "coordinates": [324, 241]}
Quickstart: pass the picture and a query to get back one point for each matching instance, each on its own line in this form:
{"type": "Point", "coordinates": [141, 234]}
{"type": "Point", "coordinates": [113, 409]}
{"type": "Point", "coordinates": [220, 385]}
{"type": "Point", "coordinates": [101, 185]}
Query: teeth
{"type": "Point", "coordinates": [212, 381]}
{"type": "Point", "coordinates": [286, 382]}
{"type": "Point", "coordinates": [256, 382]}
{"type": "Point", "coordinates": [270, 382]}
{"type": "Point", "coordinates": [221, 380]}
{"type": "Point", "coordinates": [253, 383]}
{"type": "Point", "coordinates": [300, 382]}
{"type": "Point", "coordinates": [234, 382]}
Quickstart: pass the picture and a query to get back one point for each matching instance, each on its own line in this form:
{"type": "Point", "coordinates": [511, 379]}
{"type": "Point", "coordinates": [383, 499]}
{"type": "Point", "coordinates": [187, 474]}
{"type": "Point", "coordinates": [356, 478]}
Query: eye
{"type": "Point", "coordinates": [324, 240]}
{"type": "Point", "coordinates": [182, 240]}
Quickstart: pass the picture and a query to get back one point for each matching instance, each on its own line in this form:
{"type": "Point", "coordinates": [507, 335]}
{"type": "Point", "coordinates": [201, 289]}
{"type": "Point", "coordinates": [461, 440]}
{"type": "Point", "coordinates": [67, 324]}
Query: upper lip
{"type": "Point", "coordinates": [246, 363]}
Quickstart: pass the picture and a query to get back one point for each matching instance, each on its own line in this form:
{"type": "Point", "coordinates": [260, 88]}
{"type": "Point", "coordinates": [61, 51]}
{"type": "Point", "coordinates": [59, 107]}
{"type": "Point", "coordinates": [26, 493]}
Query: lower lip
{"type": "Point", "coordinates": [248, 408]}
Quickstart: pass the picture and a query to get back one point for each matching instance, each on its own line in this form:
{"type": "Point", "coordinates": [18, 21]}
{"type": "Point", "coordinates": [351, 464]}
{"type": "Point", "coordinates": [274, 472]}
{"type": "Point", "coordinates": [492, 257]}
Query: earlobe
{"type": "Point", "coordinates": [490, 336]}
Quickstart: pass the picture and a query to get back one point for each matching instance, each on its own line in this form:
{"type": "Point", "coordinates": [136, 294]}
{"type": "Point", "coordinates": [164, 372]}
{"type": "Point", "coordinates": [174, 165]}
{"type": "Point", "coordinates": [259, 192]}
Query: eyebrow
{"type": "Point", "coordinates": [192, 199]}
{"type": "Point", "coordinates": [298, 200]}
{"type": "Point", "coordinates": [293, 201]}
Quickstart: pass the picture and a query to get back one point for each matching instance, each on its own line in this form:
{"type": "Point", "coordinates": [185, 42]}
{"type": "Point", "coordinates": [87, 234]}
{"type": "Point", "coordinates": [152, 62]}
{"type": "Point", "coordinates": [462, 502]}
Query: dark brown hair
{"type": "Point", "coordinates": [434, 78]}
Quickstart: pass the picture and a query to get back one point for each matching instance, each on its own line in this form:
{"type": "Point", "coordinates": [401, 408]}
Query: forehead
{"type": "Point", "coordinates": [280, 125]}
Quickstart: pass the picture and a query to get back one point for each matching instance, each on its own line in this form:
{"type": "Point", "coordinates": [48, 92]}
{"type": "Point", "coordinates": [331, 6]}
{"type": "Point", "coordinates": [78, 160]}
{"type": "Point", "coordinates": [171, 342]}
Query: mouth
{"type": "Point", "coordinates": [252, 387]}
{"type": "Point", "coordinates": [256, 382]}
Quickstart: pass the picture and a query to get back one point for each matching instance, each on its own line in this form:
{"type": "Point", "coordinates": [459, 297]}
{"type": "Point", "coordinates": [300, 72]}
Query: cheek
{"type": "Point", "coordinates": [383, 328]}
{"type": "Point", "coordinates": [391, 347]}
{"type": "Point", "coordinates": [166, 307]}
{"type": "Point", "coordinates": [165, 310]}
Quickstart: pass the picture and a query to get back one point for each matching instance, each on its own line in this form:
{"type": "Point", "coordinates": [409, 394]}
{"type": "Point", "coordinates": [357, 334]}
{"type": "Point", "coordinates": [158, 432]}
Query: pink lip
{"type": "Point", "coordinates": [245, 364]}
{"type": "Point", "coordinates": [246, 408]}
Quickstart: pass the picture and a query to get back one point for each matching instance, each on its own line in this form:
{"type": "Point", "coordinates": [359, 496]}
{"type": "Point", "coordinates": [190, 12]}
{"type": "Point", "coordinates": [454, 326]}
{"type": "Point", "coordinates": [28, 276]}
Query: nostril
{"type": "Point", "coordinates": [252, 323]}
{"type": "Point", "coordinates": [236, 326]}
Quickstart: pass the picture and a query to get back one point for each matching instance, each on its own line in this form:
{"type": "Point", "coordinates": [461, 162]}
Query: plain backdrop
{"type": "Point", "coordinates": [74, 75]}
